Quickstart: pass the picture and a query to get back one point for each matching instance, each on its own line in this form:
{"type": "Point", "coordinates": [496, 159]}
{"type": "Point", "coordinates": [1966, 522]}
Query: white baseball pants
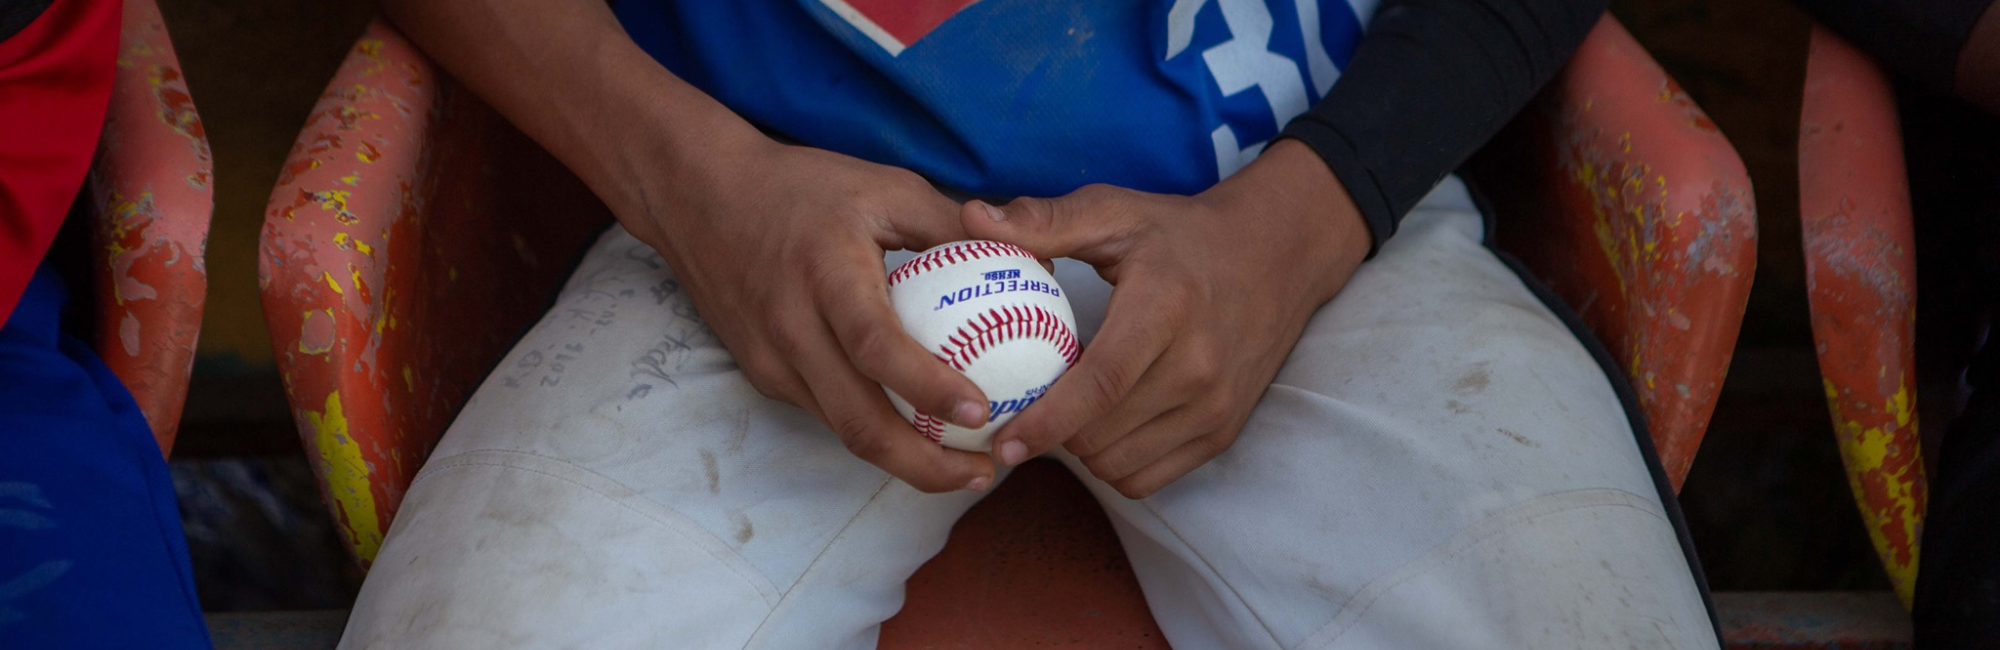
{"type": "Point", "coordinates": [1440, 464]}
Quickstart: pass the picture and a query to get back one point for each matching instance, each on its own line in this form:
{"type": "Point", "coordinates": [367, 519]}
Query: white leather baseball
{"type": "Point", "coordinates": [991, 311]}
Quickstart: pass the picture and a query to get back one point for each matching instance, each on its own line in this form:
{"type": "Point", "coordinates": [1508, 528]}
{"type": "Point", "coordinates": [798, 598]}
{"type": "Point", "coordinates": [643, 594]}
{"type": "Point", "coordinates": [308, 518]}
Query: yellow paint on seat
{"type": "Point", "coordinates": [346, 478]}
{"type": "Point", "coordinates": [1870, 462]}
{"type": "Point", "coordinates": [346, 242]}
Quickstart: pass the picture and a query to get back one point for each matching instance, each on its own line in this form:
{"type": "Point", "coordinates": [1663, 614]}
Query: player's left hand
{"type": "Point", "coordinates": [1211, 293]}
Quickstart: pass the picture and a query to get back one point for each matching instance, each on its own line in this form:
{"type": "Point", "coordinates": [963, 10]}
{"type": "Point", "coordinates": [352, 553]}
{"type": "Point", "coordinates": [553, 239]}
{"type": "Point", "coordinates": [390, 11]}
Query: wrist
{"type": "Point", "coordinates": [1304, 209]}
{"type": "Point", "coordinates": [676, 153]}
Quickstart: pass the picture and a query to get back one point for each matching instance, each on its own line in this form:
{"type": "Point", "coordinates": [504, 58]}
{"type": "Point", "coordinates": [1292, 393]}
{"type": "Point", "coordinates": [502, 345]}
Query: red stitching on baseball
{"type": "Point", "coordinates": [992, 328]}
{"type": "Point", "coordinates": [953, 254]}
{"type": "Point", "coordinates": [1004, 324]}
{"type": "Point", "coordinates": [930, 427]}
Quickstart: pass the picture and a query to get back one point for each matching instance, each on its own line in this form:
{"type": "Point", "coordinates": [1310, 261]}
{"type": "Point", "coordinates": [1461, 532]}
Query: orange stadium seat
{"type": "Point", "coordinates": [151, 194]}
{"type": "Point", "coordinates": [410, 240]}
{"type": "Point", "coordinates": [1854, 203]}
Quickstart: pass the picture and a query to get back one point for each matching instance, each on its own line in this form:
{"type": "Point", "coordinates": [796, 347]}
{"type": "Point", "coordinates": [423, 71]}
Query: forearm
{"type": "Point", "coordinates": [1430, 83]}
{"type": "Point", "coordinates": [1290, 180]}
{"type": "Point", "coordinates": [566, 74]}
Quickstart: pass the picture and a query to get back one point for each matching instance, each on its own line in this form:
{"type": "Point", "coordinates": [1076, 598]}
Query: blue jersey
{"type": "Point", "coordinates": [1015, 97]}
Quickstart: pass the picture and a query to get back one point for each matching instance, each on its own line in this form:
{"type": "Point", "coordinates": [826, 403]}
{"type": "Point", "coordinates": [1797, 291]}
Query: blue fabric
{"type": "Point", "coordinates": [91, 551]}
{"type": "Point", "coordinates": [1012, 97]}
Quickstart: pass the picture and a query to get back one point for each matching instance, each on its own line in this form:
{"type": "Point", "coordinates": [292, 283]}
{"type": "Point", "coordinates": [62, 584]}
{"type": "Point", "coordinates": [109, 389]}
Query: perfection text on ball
{"type": "Point", "coordinates": [984, 289]}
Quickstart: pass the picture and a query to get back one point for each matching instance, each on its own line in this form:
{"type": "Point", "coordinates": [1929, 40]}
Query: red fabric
{"type": "Point", "coordinates": [55, 83]}
{"type": "Point", "coordinates": [907, 21]}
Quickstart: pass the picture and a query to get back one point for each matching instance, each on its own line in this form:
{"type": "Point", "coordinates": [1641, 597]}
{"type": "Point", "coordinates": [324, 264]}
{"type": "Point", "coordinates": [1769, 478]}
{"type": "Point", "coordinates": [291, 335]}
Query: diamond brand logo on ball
{"type": "Point", "coordinates": [992, 312]}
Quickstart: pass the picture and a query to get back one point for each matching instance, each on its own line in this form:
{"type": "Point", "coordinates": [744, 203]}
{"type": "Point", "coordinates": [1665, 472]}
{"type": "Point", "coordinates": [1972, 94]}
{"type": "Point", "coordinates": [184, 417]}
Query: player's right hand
{"type": "Point", "coordinates": [781, 248]}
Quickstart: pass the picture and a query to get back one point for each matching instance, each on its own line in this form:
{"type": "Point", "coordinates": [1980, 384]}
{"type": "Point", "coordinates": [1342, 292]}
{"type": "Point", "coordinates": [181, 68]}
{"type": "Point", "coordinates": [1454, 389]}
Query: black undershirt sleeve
{"type": "Point", "coordinates": [1430, 83]}
{"type": "Point", "coordinates": [1919, 41]}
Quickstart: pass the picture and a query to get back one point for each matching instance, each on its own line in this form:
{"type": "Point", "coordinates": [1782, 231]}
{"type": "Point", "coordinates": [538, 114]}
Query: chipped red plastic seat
{"type": "Point", "coordinates": [414, 234]}
{"type": "Point", "coordinates": [1617, 191]}
{"type": "Point", "coordinates": [152, 196]}
{"type": "Point", "coordinates": [411, 237]}
{"type": "Point", "coordinates": [1854, 200]}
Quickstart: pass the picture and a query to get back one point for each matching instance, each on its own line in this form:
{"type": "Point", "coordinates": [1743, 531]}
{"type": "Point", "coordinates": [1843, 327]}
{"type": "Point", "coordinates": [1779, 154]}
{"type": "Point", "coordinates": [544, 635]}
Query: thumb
{"type": "Point", "coordinates": [1084, 225]}
{"type": "Point", "coordinates": [928, 223]}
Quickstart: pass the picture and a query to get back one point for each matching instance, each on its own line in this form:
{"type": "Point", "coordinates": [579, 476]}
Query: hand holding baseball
{"type": "Point", "coordinates": [781, 248]}
{"type": "Point", "coordinates": [993, 312]}
{"type": "Point", "coordinates": [1212, 291]}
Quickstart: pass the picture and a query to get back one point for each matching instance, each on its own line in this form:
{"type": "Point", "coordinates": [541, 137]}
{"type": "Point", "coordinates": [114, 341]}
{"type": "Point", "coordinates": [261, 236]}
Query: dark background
{"type": "Point", "coordinates": [1767, 500]}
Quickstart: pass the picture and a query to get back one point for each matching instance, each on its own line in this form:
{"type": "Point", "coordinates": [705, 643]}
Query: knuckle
{"type": "Point", "coordinates": [768, 390]}
{"type": "Point", "coordinates": [777, 333]}
{"type": "Point", "coordinates": [1108, 384]}
{"type": "Point", "coordinates": [1038, 437]}
{"type": "Point", "coordinates": [1209, 417]}
{"type": "Point", "coordinates": [821, 269]}
{"type": "Point", "coordinates": [906, 180]}
{"type": "Point", "coordinates": [764, 376]}
{"type": "Point", "coordinates": [764, 382]}
{"type": "Point", "coordinates": [1190, 379]}
{"type": "Point", "coordinates": [1098, 193]}
{"type": "Point", "coordinates": [1086, 444]}
{"type": "Point", "coordinates": [1203, 363]}
{"type": "Point", "coordinates": [1112, 204]}
{"type": "Point", "coordinates": [1180, 299]}
{"type": "Point", "coordinates": [1034, 209]}
{"type": "Point", "coordinates": [859, 438]}
{"type": "Point", "coordinates": [787, 346]}
{"type": "Point", "coordinates": [1212, 445]}
{"type": "Point", "coordinates": [871, 345]}
{"type": "Point", "coordinates": [1080, 206]}
{"type": "Point", "coordinates": [1108, 465]}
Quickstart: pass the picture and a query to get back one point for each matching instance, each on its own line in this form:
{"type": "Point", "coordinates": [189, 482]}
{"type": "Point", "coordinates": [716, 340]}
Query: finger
{"type": "Point", "coordinates": [776, 380]}
{"type": "Point", "coordinates": [1135, 333]}
{"type": "Point", "coordinates": [1178, 377]}
{"type": "Point", "coordinates": [926, 218]}
{"type": "Point", "coordinates": [1146, 444]}
{"type": "Point", "coordinates": [1175, 464]}
{"type": "Point", "coordinates": [1088, 224]}
{"type": "Point", "coordinates": [856, 307]}
{"type": "Point", "coordinates": [1152, 398]}
{"type": "Point", "coordinates": [857, 411]}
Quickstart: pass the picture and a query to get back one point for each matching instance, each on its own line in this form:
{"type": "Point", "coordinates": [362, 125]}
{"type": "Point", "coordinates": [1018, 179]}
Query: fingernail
{"type": "Point", "coordinates": [993, 212]}
{"type": "Point", "coordinates": [977, 484]}
{"type": "Point", "coordinates": [1012, 452]}
{"type": "Point", "coordinates": [968, 414]}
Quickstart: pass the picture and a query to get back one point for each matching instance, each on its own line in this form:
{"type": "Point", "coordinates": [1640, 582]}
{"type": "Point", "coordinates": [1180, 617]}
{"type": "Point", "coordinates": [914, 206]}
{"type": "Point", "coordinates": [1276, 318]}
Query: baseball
{"type": "Point", "coordinates": [990, 311]}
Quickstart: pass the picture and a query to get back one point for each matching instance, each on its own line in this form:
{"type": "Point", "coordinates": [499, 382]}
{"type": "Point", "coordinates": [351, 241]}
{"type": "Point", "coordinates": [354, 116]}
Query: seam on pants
{"type": "Point", "coordinates": [656, 512]}
{"type": "Point", "coordinates": [1627, 397]}
{"type": "Point", "coordinates": [757, 635]}
{"type": "Point", "coordinates": [1385, 424]}
{"type": "Point", "coordinates": [1486, 528]}
{"type": "Point", "coordinates": [1210, 567]}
